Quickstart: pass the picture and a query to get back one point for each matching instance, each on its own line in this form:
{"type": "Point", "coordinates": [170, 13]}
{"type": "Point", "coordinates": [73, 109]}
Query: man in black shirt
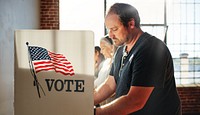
{"type": "Point", "coordinates": [142, 73]}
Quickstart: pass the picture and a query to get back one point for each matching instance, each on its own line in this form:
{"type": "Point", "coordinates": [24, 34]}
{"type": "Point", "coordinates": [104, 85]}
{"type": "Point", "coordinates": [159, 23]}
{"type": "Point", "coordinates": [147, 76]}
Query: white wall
{"type": "Point", "coordinates": [14, 14]}
{"type": "Point", "coordinates": [86, 19]}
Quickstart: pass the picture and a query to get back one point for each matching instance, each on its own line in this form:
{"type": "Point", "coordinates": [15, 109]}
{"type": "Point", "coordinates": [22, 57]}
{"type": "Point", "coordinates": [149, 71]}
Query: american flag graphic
{"type": "Point", "coordinates": [44, 60]}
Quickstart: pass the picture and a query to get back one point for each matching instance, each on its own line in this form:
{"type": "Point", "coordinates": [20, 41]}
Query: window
{"type": "Point", "coordinates": [183, 39]}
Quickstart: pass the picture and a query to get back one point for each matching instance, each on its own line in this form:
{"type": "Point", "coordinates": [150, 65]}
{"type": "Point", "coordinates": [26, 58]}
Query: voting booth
{"type": "Point", "coordinates": [53, 72]}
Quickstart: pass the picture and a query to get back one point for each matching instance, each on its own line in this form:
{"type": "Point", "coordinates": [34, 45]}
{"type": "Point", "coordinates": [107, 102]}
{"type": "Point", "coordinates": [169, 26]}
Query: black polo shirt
{"type": "Point", "coordinates": [149, 63]}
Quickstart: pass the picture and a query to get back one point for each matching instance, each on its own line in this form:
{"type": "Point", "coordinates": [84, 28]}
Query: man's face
{"type": "Point", "coordinates": [116, 29]}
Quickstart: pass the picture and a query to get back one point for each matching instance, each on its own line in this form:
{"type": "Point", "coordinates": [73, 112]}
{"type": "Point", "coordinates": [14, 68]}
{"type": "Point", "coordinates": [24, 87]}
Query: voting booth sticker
{"type": "Point", "coordinates": [53, 72]}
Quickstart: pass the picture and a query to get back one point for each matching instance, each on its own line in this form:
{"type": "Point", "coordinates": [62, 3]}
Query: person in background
{"type": "Point", "coordinates": [142, 73]}
{"type": "Point", "coordinates": [98, 58]}
{"type": "Point", "coordinates": [107, 49]}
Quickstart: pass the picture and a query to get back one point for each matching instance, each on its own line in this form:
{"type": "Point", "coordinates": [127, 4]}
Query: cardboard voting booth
{"type": "Point", "coordinates": [53, 72]}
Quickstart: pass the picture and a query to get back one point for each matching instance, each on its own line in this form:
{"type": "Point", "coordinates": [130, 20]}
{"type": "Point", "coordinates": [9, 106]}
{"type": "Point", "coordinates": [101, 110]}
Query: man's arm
{"type": "Point", "coordinates": [105, 90]}
{"type": "Point", "coordinates": [133, 101]}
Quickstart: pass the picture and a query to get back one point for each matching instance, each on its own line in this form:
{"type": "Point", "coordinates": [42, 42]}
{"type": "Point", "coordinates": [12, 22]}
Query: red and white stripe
{"type": "Point", "coordinates": [58, 63]}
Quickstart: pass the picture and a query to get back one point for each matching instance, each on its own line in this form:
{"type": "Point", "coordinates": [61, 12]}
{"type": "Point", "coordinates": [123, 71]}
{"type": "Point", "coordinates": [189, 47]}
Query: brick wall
{"type": "Point", "coordinates": [190, 96]}
{"type": "Point", "coordinates": [190, 99]}
{"type": "Point", "coordinates": [49, 14]}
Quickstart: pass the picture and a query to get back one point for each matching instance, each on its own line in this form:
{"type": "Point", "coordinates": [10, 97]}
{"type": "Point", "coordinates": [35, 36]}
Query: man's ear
{"type": "Point", "coordinates": [131, 23]}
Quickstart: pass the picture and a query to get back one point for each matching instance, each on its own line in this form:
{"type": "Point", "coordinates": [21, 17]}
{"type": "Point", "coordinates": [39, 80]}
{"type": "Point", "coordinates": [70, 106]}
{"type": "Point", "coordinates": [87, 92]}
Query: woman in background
{"type": "Point", "coordinates": [98, 58]}
{"type": "Point", "coordinates": [107, 49]}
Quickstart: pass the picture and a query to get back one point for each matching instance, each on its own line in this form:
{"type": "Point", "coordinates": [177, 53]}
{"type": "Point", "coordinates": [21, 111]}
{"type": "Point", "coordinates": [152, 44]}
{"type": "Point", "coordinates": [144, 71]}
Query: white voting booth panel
{"type": "Point", "coordinates": [59, 94]}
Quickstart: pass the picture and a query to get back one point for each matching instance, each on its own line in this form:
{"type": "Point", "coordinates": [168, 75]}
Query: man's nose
{"type": "Point", "coordinates": [111, 35]}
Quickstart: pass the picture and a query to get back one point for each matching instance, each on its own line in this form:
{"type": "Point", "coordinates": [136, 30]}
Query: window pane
{"type": "Point", "coordinates": [197, 34]}
{"type": "Point", "coordinates": [158, 31]}
{"type": "Point", "coordinates": [190, 33]}
{"type": "Point", "coordinates": [197, 13]}
{"type": "Point", "coordinates": [191, 54]}
{"type": "Point", "coordinates": [174, 15]}
{"type": "Point", "coordinates": [183, 13]}
{"type": "Point", "coordinates": [173, 35]}
{"type": "Point", "coordinates": [183, 34]}
{"type": "Point", "coordinates": [190, 13]}
{"type": "Point", "coordinates": [197, 50]}
{"type": "Point", "coordinates": [197, 1]}
{"type": "Point", "coordinates": [197, 74]}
